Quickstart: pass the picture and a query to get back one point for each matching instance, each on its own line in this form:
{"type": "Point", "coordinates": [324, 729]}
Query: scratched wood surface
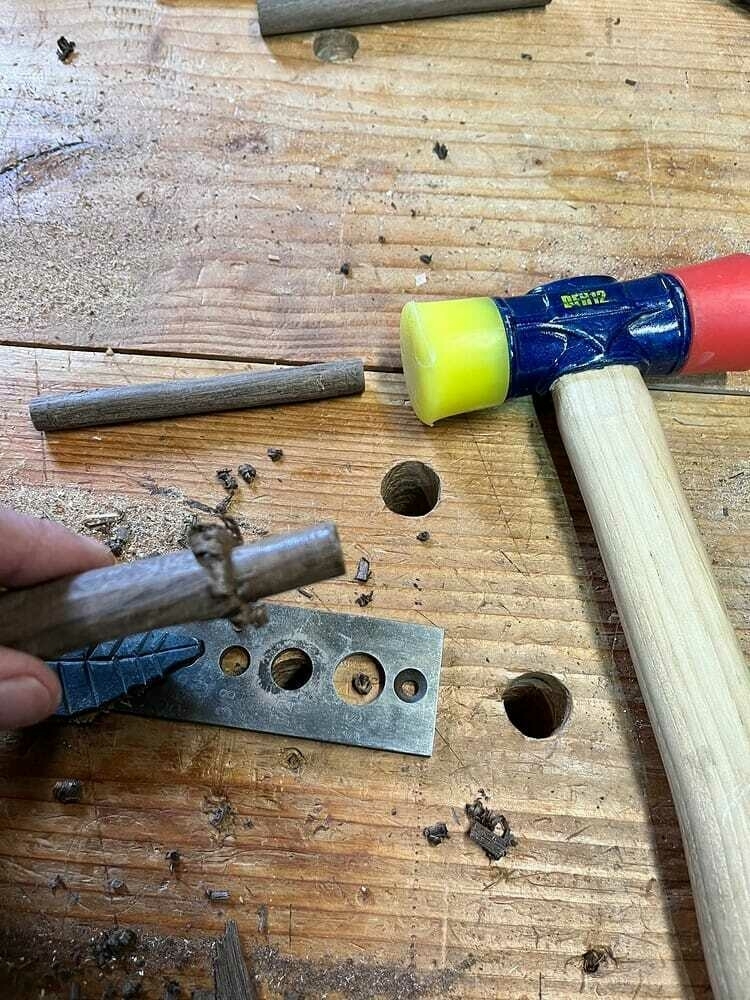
{"type": "Point", "coordinates": [184, 185]}
{"type": "Point", "coordinates": [334, 848]}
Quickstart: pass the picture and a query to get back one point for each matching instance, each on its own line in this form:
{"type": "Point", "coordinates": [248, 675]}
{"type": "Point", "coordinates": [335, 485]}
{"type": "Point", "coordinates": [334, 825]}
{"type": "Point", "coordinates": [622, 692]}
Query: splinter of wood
{"type": "Point", "coordinates": [280, 17]}
{"type": "Point", "coordinates": [186, 397]}
{"type": "Point", "coordinates": [78, 611]}
{"type": "Point", "coordinates": [231, 979]}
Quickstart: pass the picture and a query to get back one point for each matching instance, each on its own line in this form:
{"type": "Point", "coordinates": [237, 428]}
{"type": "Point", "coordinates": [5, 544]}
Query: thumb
{"type": "Point", "coordinates": [29, 690]}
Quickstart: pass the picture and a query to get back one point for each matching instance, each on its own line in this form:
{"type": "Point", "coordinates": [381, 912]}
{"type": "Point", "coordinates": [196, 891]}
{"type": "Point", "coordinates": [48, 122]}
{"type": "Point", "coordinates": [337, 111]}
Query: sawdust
{"type": "Point", "coordinates": [352, 980]}
{"type": "Point", "coordinates": [157, 525]}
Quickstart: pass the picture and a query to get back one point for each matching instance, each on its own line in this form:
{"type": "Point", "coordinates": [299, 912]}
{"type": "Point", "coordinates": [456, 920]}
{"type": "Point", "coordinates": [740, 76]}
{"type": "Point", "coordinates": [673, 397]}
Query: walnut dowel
{"type": "Point", "coordinates": [691, 672]}
{"type": "Point", "coordinates": [181, 398]}
{"type": "Point", "coordinates": [280, 17]}
{"type": "Point", "coordinates": [77, 611]}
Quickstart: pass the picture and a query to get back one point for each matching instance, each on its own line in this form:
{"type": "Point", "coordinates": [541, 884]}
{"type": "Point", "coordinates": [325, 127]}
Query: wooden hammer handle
{"type": "Point", "coordinates": [693, 677]}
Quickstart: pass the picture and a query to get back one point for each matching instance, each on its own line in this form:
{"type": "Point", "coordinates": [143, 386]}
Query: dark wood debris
{"type": "Point", "coordinates": [593, 959]}
{"type": "Point", "coordinates": [305, 593]}
{"type": "Point", "coordinates": [631, 83]}
{"type": "Point", "coordinates": [173, 860]}
{"type": "Point", "coordinates": [436, 834]}
{"type": "Point", "coordinates": [345, 269]}
{"type": "Point", "coordinates": [220, 813]}
{"type": "Point", "coordinates": [426, 258]}
{"type": "Point", "coordinates": [362, 684]}
{"type": "Point", "coordinates": [275, 454]}
{"type": "Point", "coordinates": [490, 830]}
{"type": "Point", "coordinates": [364, 599]}
{"type": "Point", "coordinates": [228, 480]}
{"type": "Point", "coordinates": [526, 56]}
{"type": "Point", "coordinates": [217, 895]}
{"type": "Point", "coordinates": [247, 472]}
{"type": "Point", "coordinates": [363, 571]}
{"type": "Point", "coordinates": [117, 887]}
{"type": "Point", "coordinates": [68, 790]}
{"type": "Point", "coordinates": [58, 882]}
{"type": "Point", "coordinates": [108, 946]}
{"type": "Point", "coordinates": [119, 539]}
{"type": "Point", "coordinates": [440, 150]}
{"type": "Point", "coordinates": [65, 48]}
{"type": "Point", "coordinates": [423, 536]}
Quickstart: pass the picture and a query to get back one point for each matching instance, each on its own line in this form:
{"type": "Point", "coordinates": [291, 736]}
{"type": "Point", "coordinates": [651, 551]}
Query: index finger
{"type": "Point", "coordinates": [33, 550]}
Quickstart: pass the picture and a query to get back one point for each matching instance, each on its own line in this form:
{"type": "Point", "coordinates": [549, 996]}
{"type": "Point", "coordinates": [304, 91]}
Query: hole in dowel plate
{"type": "Point", "coordinates": [538, 705]}
{"type": "Point", "coordinates": [410, 685]}
{"type": "Point", "coordinates": [291, 669]}
{"type": "Point", "coordinates": [234, 661]}
{"type": "Point", "coordinates": [359, 679]}
{"type": "Point", "coordinates": [411, 489]}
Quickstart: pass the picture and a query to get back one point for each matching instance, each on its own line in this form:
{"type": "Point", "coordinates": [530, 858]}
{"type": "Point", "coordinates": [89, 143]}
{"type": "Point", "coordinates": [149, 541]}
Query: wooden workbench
{"type": "Point", "coordinates": [185, 193]}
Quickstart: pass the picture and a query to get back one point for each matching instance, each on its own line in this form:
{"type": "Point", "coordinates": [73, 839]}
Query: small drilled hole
{"type": "Point", "coordinates": [411, 489]}
{"type": "Point", "coordinates": [410, 685]}
{"type": "Point", "coordinates": [335, 45]}
{"type": "Point", "coordinates": [291, 669]}
{"type": "Point", "coordinates": [234, 661]}
{"type": "Point", "coordinates": [537, 705]}
{"type": "Point", "coordinates": [359, 679]}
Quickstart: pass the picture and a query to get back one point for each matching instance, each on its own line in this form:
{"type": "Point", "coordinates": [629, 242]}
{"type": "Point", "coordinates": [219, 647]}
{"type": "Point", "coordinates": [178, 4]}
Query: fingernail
{"type": "Point", "coordinates": [24, 701]}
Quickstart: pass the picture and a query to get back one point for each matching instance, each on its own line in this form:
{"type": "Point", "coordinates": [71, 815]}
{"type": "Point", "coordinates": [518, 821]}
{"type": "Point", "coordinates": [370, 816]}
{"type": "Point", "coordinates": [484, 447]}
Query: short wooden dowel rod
{"type": "Point", "coordinates": [184, 397]}
{"type": "Point", "coordinates": [692, 675]}
{"type": "Point", "coordinates": [280, 17]}
{"type": "Point", "coordinates": [74, 612]}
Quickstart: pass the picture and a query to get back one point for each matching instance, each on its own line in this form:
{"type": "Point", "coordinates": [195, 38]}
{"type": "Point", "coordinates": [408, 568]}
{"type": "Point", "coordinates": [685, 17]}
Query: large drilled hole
{"type": "Point", "coordinates": [291, 669]}
{"type": "Point", "coordinates": [359, 679]}
{"type": "Point", "coordinates": [234, 661]}
{"type": "Point", "coordinates": [411, 489]}
{"type": "Point", "coordinates": [537, 705]}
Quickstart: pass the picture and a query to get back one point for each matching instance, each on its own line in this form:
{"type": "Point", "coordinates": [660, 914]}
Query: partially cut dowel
{"type": "Point", "coordinates": [89, 608]}
{"type": "Point", "coordinates": [280, 17]}
{"type": "Point", "coordinates": [184, 397]}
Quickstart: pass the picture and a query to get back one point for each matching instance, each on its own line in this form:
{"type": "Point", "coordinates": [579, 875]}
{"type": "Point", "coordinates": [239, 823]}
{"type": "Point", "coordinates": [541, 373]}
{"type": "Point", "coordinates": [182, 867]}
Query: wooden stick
{"type": "Point", "coordinates": [280, 17]}
{"type": "Point", "coordinates": [690, 668]}
{"type": "Point", "coordinates": [184, 397]}
{"type": "Point", "coordinates": [77, 611]}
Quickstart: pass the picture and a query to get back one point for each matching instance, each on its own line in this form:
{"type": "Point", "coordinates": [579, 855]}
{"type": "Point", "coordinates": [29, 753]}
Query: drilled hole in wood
{"type": "Point", "coordinates": [234, 661]}
{"type": "Point", "coordinates": [359, 679]}
{"type": "Point", "coordinates": [411, 489]}
{"type": "Point", "coordinates": [291, 669]}
{"type": "Point", "coordinates": [410, 685]}
{"type": "Point", "coordinates": [538, 705]}
{"type": "Point", "coordinates": [335, 45]}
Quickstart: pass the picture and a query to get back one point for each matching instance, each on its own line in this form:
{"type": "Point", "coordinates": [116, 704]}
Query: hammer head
{"type": "Point", "coordinates": [471, 354]}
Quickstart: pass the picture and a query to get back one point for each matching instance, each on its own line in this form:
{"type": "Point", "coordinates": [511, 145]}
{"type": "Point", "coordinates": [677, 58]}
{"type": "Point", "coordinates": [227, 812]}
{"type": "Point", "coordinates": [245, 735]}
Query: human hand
{"type": "Point", "coordinates": [32, 551]}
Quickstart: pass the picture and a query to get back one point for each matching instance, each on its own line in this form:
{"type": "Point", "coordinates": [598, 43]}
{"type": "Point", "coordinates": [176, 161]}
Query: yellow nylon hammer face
{"type": "Point", "coordinates": [455, 357]}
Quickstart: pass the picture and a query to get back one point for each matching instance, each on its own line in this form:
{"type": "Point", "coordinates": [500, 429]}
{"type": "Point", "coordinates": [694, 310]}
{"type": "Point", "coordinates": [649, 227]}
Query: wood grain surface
{"type": "Point", "coordinates": [323, 853]}
{"type": "Point", "coordinates": [149, 185]}
{"type": "Point", "coordinates": [187, 192]}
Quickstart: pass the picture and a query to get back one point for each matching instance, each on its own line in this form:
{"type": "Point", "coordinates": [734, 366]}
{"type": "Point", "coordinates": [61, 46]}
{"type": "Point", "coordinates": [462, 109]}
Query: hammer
{"type": "Point", "coordinates": [589, 340]}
